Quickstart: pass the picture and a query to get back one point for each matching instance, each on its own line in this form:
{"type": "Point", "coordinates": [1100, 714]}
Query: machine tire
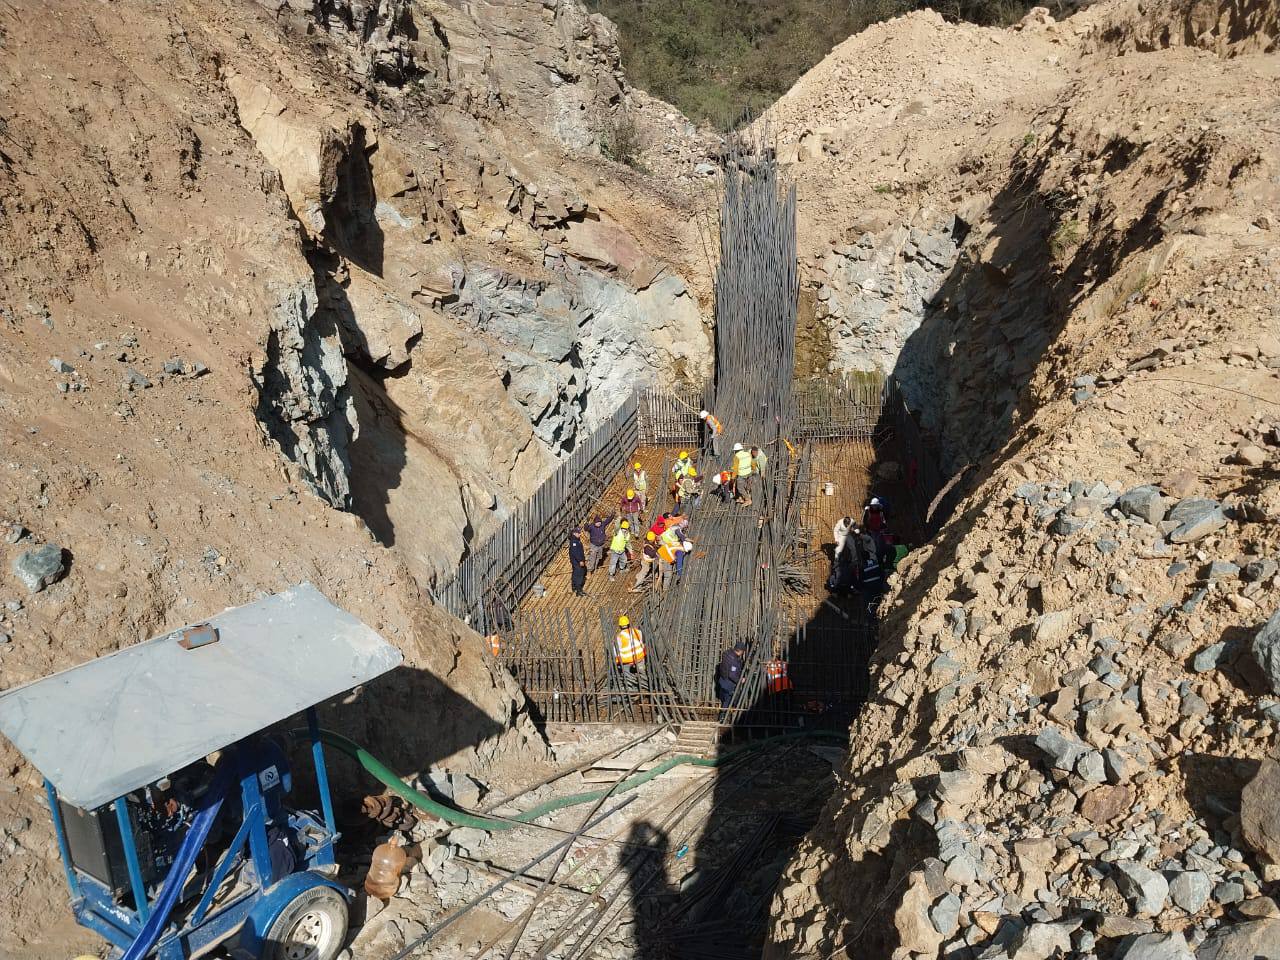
{"type": "Point", "coordinates": [313, 926]}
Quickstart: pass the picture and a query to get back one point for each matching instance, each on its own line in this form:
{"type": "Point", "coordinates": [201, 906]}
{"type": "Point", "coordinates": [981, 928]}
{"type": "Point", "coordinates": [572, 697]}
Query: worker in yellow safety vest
{"type": "Point", "coordinates": [619, 548]}
{"type": "Point", "coordinates": [668, 548]}
{"type": "Point", "coordinates": [742, 474]}
{"type": "Point", "coordinates": [714, 431]}
{"type": "Point", "coordinates": [678, 469]}
{"type": "Point", "coordinates": [689, 489]}
{"type": "Point", "coordinates": [629, 653]}
{"type": "Point", "coordinates": [640, 484]}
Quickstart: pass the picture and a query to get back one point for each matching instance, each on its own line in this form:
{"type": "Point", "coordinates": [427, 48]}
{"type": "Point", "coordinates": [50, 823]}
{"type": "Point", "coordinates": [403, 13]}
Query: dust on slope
{"type": "Point", "coordinates": [1067, 702]}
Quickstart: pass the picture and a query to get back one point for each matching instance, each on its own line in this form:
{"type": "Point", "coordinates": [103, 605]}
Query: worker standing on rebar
{"type": "Point", "coordinates": [667, 547]}
{"type": "Point", "coordinates": [689, 489]}
{"type": "Point", "coordinates": [640, 483]}
{"type": "Point", "coordinates": [598, 537]}
{"type": "Point", "coordinates": [629, 653]}
{"type": "Point", "coordinates": [758, 461]}
{"type": "Point", "coordinates": [681, 466]}
{"type": "Point", "coordinates": [631, 506]}
{"type": "Point", "coordinates": [742, 474]}
{"type": "Point", "coordinates": [841, 534]}
{"type": "Point", "coordinates": [648, 557]}
{"type": "Point", "coordinates": [577, 562]}
{"type": "Point", "coordinates": [619, 548]}
{"type": "Point", "coordinates": [729, 672]}
{"type": "Point", "coordinates": [714, 431]}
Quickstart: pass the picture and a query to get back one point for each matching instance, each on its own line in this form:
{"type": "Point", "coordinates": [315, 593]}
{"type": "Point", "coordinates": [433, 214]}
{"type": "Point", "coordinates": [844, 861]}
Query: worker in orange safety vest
{"type": "Point", "coordinates": [714, 431]}
{"type": "Point", "coordinates": [629, 653]}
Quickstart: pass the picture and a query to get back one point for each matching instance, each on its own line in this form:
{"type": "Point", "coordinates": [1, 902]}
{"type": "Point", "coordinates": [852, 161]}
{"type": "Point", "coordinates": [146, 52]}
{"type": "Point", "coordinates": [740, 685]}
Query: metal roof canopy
{"type": "Point", "coordinates": [109, 726]}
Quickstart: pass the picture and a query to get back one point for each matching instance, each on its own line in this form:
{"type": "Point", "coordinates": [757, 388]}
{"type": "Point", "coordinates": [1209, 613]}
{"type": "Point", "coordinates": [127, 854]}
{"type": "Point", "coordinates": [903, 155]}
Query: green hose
{"type": "Point", "coordinates": [381, 772]}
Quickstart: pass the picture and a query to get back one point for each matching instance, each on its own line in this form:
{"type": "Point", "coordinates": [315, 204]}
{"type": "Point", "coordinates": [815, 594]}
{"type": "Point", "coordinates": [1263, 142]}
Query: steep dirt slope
{"type": "Point", "coordinates": [1074, 683]}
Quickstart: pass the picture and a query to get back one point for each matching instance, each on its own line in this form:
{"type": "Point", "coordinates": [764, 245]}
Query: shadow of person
{"type": "Point", "coordinates": [651, 890]}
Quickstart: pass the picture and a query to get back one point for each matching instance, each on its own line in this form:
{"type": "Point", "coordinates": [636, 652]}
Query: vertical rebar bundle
{"type": "Point", "coordinates": [756, 290]}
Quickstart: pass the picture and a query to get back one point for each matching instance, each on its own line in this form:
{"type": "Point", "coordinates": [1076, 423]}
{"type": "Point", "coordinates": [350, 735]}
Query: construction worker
{"type": "Point", "coordinates": [619, 548]}
{"type": "Point", "coordinates": [686, 548]}
{"type": "Point", "coordinates": [729, 672]}
{"type": "Point", "coordinates": [722, 483]}
{"type": "Point", "coordinates": [640, 484]}
{"type": "Point", "coordinates": [631, 506]}
{"type": "Point", "coordinates": [873, 516]}
{"type": "Point", "coordinates": [758, 461]}
{"type": "Point", "coordinates": [667, 549]}
{"type": "Point", "coordinates": [577, 562]}
{"type": "Point", "coordinates": [598, 536]}
{"type": "Point", "coordinates": [841, 533]}
{"type": "Point", "coordinates": [629, 653]}
{"type": "Point", "coordinates": [678, 469]}
{"type": "Point", "coordinates": [689, 489]}
{"type": "Point", "coordinates": [742, 474]}
{"type": "Point", "coordinates": [648, 557]}
{"type": "Point", "coordinates": [714, 430]}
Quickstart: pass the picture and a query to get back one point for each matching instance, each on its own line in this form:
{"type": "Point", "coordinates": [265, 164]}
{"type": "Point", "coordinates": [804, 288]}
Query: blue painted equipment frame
{"type": "Point", "coordinates": [240, 922]}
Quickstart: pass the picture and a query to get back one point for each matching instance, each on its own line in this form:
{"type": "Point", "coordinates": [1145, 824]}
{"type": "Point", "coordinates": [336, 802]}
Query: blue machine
{"type": "Point", "coordinates": [167, 774]}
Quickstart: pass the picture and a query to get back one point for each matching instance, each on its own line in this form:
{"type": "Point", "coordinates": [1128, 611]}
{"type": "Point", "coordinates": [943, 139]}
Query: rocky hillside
{"type": "Point", "coordinates": [1065, 244]}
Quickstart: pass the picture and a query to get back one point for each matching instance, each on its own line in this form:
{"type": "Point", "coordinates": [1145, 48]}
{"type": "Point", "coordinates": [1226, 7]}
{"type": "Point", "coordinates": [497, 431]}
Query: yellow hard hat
{"type": "Point", "coordinates": [651, 535]}
{"type": "Point", "coordinates": [624, 621]}
{"type": "Point", "coordinates": [625, 525]}
{"type": "Point", "coordinates": [630, 494]}
{"type": "Point", "coordinates": [636, 465]}
{"type": "Point", "coordinates": [693, 471]}
{"type": "Point", "coordinates": [684, 454]}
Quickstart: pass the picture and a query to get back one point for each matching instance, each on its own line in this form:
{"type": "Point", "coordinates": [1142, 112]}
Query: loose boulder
{"type": "Point", "coordinates": [40, 567]}
{"type": "Point", "coordinates": [1260, 811]}
{"type": "Point", "coordinates": [1266, 650]}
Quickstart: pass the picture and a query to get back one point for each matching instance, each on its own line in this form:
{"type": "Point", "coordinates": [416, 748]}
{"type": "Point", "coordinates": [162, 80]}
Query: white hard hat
{"type": "Point", "coordinates": [688, 545]}
{"type": "Point", "coordinates": [737, 447]}
{"type": "Point", "coordinates": [875, 502]}
{"type": "Point", "coordinates": [715, 481]}
{"type": "Point", "coordinates": [702, 414]}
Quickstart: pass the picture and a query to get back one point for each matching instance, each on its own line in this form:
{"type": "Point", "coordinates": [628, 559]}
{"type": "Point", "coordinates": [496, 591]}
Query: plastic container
{"type": "Point", "coordinates": [383, 879]}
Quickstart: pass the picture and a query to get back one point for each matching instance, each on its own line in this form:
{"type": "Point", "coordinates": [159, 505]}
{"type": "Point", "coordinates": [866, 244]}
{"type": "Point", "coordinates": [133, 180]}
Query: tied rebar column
{"type": "Point", "coordinates": [756, 291]}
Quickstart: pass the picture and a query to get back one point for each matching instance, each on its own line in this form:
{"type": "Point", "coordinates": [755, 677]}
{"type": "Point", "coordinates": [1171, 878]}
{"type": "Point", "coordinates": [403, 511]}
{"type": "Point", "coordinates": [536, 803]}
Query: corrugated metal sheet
{"type": "Point", "coordinates": [114, 724]}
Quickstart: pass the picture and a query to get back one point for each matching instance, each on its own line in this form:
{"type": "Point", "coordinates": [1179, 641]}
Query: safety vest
{"type": "Point", "coordinates": [724, 476]}
{"type": "Point", "coordinates": [630, 643]}
{"type": "Point", "coordinates": [680, 468]}
{"type": "Point", "coordinates": [667, 552]}
{"type": "Point", "coordinates": [495, 644]}
{"type": "Point", "coordinates": [759, 462]}
{"type": "Point", "coordinates": [714, 424]}
{"type": "Point", "coordinates": [671, 537]}
{"type": "Point", "coordinates": [639, 481]}
{"type": "Point", "coordinates": [775, 673]}
{"type": "Point", "coordinates": [742, 463]}
{"type": "Point", "coordinates": [619, 541]}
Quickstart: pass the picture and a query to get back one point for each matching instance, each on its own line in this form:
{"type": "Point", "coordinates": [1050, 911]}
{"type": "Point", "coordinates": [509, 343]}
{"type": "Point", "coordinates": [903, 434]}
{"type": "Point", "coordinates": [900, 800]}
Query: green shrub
{"type": "Point", "coordinates": [622, 140]}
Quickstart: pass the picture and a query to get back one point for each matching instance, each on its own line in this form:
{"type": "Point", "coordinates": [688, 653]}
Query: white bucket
{"type": "Point", "coordinates": [828, 488]}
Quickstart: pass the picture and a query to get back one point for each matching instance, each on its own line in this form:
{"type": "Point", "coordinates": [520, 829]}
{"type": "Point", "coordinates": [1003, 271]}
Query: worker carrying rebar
{"type": "Point", "coordinates": [648, 557]}
{"type": "Point", "coordinates": [729, 673]}
{"type": "Point", "coordinates": [640, 484]}
{"type": "Point", "coordinates": [742, 474]}
{"type": "Point", "coordinates": [620, 548]}
{"type": "Point", "coordinates": [629, 653]}
{"type": "Point", "coordinates": [631, 506]}
{"type": "Point", "coordinates": [714, 431]}
{"type": "Point", "coordinates": [722, 484]}
{"type": "Point", "coordinates": [598, 538]}
{"type": "Point", "coordinates": [689, 489]}
{"type": "Point", "coordinates": [577, 562]}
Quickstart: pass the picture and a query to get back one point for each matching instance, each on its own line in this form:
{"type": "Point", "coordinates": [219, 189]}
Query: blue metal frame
{"type": "Point", "coordinates": [244, 920]}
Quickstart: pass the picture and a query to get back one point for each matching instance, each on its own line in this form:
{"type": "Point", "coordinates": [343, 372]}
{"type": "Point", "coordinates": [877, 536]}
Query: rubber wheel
{"type": "Point", "coordinates": [312, 927]}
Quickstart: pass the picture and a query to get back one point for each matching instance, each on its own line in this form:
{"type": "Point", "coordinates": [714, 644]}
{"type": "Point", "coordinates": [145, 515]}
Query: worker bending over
{"type": "Point", "coordinates": [722, 484]}
{"type": "Point", "coordinates": [714, 431]}
{"type": "Point", "coordinates": [629, 653]}
{"type": "Point", "coordinates": [689, 489]}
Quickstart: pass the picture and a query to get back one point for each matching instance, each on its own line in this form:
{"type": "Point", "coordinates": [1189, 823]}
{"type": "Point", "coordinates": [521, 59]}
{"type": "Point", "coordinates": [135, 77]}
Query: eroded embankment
{"type": "Point", "coordinates": [1074, 684]}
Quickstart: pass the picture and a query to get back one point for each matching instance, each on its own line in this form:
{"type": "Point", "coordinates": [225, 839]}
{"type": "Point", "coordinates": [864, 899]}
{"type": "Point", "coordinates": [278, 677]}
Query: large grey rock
{"type": "Point", "coordinates": [1040, 941]}
{"type": "Point", "coordinates": [1266, 650]}
{"type": "Point", "coordinates": [1260, 811]}
{"type": "Point", "coordinates": [39, 567]}
{"type": "Point", "coordinates": [1190, 890]}
{"type": "Point", "coordinates": [1143, 503]}
{"type": "Point", "coordinates": [1062, 751]}
{"type": "Point", "coordinates": [1197, 517]}
{"type": "Point", "coordinates": [945, 914]}
{"type": "Point", "coordinates": [1145, 889]}
{"type": "Point", "coordinates": [1257, 940]}
{"type": "Point", "coordinates": [1154, 946]}
{"type": "Point", "coordinates": [468, 839]}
